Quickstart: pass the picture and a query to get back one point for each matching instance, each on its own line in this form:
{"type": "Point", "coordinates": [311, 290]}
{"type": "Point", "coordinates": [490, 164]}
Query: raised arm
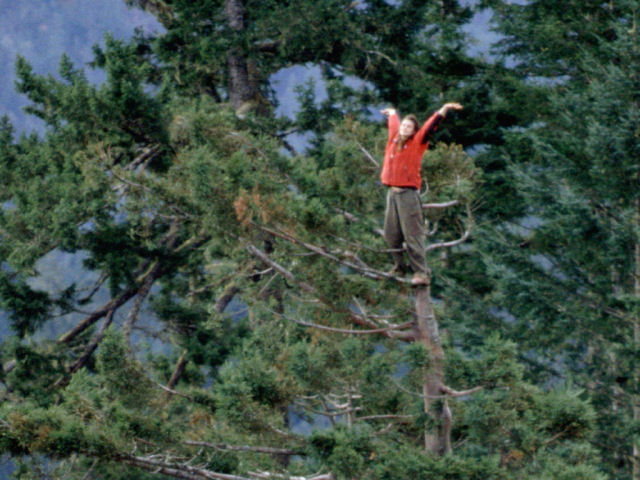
{"type": "Point", "coordinates": [449, 106]}
{"type": "Point", "coordinates": [393, 122]}
{"type": "Point", "coordinates": [432, 123]}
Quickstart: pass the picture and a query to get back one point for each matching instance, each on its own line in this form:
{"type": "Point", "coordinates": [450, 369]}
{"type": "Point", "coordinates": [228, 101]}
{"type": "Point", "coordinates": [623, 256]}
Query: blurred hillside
{"type": "Point", "coordinates": [42, 30]}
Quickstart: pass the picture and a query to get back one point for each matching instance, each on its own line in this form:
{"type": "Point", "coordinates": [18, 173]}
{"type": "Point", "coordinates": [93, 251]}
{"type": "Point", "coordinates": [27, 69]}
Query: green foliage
{"type": "Point", "coordinates": [454, 174]}
{"type": "Point", "coordinates": [345, 452]}
{"type": "Point", "coordinates": [27, 308]}
{"type": "Point", "coordinates": [123, 376]}
{"type": "Point", "coordinates": [37, 369]}
{"type": "Point", "coordinates": [262, 263]}
{"type": "Point", "coordinates": [406, 462]}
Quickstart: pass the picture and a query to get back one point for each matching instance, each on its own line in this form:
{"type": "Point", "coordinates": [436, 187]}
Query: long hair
{"type": "Point", "coordinates": [416, 126]}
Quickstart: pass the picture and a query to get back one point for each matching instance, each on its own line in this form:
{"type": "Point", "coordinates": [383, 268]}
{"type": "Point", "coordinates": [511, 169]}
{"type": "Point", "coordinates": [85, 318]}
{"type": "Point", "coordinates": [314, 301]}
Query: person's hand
{"type": "Point", "coordinates": [449, 106]}
{"type": "Point", "coordinates": [388, 112]}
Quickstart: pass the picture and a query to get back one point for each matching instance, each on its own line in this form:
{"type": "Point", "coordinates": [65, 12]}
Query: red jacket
{"type": "Point", "coordinates": [402, 168]}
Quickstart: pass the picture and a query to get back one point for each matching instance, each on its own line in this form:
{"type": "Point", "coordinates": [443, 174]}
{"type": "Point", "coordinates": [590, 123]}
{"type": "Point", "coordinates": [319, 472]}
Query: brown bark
{"type": "Point", "coordinates": [132, 316]}
{"type": "Point", "coordinates": [92, 345]}
{"type": "Point", "coordinates": [438, 440]}
{"type": "Point", "coordinates": [178, 371]}
{"type": "Point", "coordinates": [241, 87]}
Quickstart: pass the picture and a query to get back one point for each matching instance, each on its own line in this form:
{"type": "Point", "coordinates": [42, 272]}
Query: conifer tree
{"type": "Point", "coordinates": [566, 271]}
{"type": "Point", "coordinates": [293, 351]}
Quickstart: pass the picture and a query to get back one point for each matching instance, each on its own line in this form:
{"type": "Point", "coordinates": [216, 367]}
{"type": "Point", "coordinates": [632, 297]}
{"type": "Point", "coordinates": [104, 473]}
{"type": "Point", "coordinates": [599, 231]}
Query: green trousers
{"type": "Point", "coordinates": [404, 222]}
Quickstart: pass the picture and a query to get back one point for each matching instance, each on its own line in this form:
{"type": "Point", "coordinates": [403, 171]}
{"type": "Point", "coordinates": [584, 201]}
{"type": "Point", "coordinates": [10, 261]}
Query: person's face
{"type": "Point", "coordinates": [407, 128]}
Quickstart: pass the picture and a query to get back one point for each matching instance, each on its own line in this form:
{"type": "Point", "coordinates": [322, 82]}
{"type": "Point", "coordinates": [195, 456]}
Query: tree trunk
{"type": "Point", "coordinates": [438, 438]}
{"type": "Point", "coordinates": [241, 88]}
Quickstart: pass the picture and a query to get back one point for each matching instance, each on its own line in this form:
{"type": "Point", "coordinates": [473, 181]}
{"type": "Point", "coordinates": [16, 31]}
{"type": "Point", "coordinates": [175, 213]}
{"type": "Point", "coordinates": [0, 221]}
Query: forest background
{"type": "Point", "coordinates": [193, 275]}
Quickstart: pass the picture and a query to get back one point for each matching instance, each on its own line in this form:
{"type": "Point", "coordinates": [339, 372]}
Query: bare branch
{"type": "Point", "coordinates": [349, 216]}
{"type": "Point", "coordinates": [459, 393]}
{"type": "Point", "coordinates": [173, 392]}
{"type": "Point", "coordinates": [178, 370]}
{"type": "Point", "coordinates": [351, 332]}
{"type": "Point", "coordinates": [382, 55]}
{"type": "Point", "coordinates": [386, 417]}
{"type": "Point", "coordinates": [87, 475]}
{"type": "Point", "coordinates": [453, 243]}
{"type": "Point", "coordinates": [440, 205]}
{"type": "Point", "coordinates": [463, 238]}
{"type": "Point", "coordinates": [368, 155]}
{"type": "Point", "coordinates": [112, 305]}
{"type": "Point", "coordinates": [360, 266]}
{"type": "Point", "coordinates": [280, 269]}
{"type": "Point", "coordinates": [448, 392]}
{"type": "Point", "coordinates": [94, 289]}
{"type": "Point", "coordinates": [129, 182]}
{"type": "Point", "coordinates": [134, 311]}
{"type": "Point", "coordinates": [226, 298]}
{"type": "Point", "coordinates": [144, 158]}
{"type": "Point", "coordinates": [183, 471]}
{"type": "Point", "coordinates": [246, 448]}
{"type": "Point", "coordinates": [9, 366]}
{"type": "Point", "coordinates": [358, 319]}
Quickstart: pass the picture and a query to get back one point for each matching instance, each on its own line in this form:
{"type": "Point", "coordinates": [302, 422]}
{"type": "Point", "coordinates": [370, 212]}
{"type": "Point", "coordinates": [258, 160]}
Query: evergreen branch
{"type": "Point", "coordinates": [246, 448]}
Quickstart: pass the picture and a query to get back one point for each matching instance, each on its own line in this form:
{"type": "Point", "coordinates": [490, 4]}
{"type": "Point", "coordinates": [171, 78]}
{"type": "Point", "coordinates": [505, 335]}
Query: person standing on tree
{"type": "Point", "coordinates": [403, 221]}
